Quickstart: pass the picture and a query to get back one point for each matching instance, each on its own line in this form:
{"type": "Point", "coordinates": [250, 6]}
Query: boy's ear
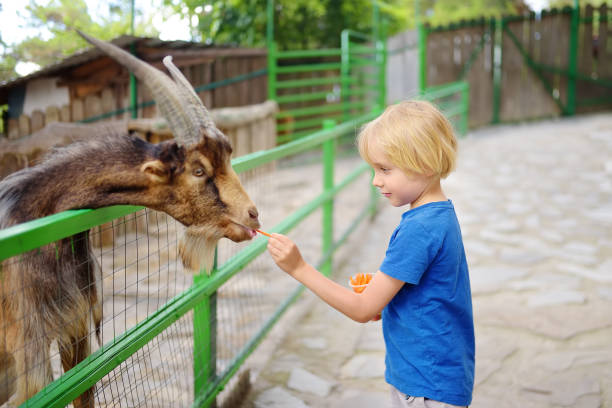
{"type": "Point", "coordinates": [156, 171]}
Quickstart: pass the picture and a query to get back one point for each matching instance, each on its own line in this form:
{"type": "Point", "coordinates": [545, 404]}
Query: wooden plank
{"type": "Point", "coordinates": [245, 66]}
{"type": "Point", "coordinates": [563, 29]}
{"type": "Point", "coordinates": [93, 106]}
{"type": "Point", "coordinates": [232, 91]}
{"type": "Point", "coordinates": [38, 120]}
{"type": "Point", "coordinates": [65, 113]}
{"type": "Point", "coordinates": [78, 110]}
{"type": "Point", "coordinates": [108, 101]}
{"type": "Point", "coordinates": [52, 114]}
{"type": "Point", "coordinates": [243, 140]}
{"type": "Point", "coordinates": [512, 63]}
{"type": "Point", "coordinates": [604, 44]}
{"type": "Point", "coordinates": [207, 75]}
{"type": "Point", "coordinates": [480, 78]}
{"type": "Point", "coordinates": [13, 128]}
{"type": "Point", "coordinates": [219, 99]}
{"type": "Point", "coordinates": [585, 50]}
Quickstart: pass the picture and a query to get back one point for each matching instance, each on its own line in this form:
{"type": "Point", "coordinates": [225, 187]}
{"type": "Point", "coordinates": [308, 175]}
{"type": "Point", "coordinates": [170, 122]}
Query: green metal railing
{"type": "Point", "coordinates": [25, 237]}
{"type": "Point", "coordinates": [338, 84]}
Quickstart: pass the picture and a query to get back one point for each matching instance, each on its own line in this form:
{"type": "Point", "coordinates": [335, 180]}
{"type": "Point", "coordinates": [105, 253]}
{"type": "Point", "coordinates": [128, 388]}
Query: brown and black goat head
{"type": "Point", "coordinates": [192, 175]}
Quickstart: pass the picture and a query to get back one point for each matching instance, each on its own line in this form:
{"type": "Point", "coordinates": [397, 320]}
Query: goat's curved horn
{"type": "Point", "coordinates": [170, 97]}
{"type": "Point", "coordinates": [192, 99]}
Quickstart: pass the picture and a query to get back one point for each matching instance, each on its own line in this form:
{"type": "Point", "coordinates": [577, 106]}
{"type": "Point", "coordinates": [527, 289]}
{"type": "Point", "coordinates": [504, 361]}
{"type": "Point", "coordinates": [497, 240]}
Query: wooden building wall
{"type": "Point", "coordinates": [101, 86]}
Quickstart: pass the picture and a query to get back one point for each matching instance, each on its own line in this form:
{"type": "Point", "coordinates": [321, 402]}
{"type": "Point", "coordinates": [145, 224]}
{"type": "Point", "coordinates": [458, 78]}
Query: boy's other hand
{"type": "Point", "coordinates": [285, 253]}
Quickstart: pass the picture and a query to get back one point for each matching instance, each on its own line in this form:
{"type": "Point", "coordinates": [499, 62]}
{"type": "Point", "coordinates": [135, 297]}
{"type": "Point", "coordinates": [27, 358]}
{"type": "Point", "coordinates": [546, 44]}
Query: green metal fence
{"type": "Point", "coordinates": [566, 52]}
{"type": "Point", "coordinates": [338, 84]}
{"type": "Point", "coordinates": [315, 89]}
{"type": "Point", "coordinates": [198, 303]}
{"type": "Point", "coordinates": [199, 299]}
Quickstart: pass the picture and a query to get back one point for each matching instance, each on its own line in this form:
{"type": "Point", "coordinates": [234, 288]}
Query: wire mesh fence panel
{"type": "Point", "coordinates": [158, 375]}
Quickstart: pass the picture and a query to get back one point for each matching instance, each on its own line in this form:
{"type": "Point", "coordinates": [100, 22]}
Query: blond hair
{"type": "Point", "coordinates": [415, 137]}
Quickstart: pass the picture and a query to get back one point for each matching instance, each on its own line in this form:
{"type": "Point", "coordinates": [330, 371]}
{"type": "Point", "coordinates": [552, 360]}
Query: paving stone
{"type": "Point", "coordinates": [486, 279]}
{"type": "Point", "coordinates": [506, 226]}
{"type": "Point", "coordinates": [364, 366]}
{"type": "Point", "coordinates": [286, 363]}
{"type": "Point", "coordinates": [565, 389]}
{"type": "Point", "coordinates": [491, 354]}
{"type": "Point", "coordinates": [304, 381]}
{"type": "Point", "coordinates": [277, 397]}
{"type": "Point", "coordinates": [517, 256]}
{"type": "Point", "coordinates": [546, 281]}
{"type": "Point", "coordinates": [563, 360]}
{"type": "Point", "coordinates": [604, 276]}
{"type": "Point", "coordinates": [477, 247]}
{"type": "Point", "coordinates": [556, 298]}
{"type": "Point", "coordinates": [500, 238]}
{"type": "Point", "coordinates": [579, 258]}
{"type": "Point", "coordinates": [372, 337]}
{"type": "Point", "coordinates": [605, 293]}
{"type": "Point", "coordinates": [317, 343]}
{"type": "Point", "coordinates": [361, 399]}
{"type": "Point", "coordinates": [552, 236]}
{"type": "Point", "coordinates": [558, 322]}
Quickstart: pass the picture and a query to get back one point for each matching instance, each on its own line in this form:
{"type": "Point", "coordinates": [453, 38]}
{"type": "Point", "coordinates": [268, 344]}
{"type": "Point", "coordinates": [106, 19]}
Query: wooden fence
{"type": "Point", "coordinates": [222, 80]}
{"type": "Point", "coordinates": [527, 67]}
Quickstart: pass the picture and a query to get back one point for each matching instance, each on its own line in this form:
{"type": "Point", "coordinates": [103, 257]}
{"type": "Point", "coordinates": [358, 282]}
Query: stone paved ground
{"type": "Point", "coordinates": [535, 204]}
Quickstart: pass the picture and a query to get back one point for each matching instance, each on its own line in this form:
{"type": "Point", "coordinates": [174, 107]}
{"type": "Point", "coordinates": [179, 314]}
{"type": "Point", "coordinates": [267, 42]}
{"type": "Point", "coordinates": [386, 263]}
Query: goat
{"type": "Point", "coordinates": [51, 294]}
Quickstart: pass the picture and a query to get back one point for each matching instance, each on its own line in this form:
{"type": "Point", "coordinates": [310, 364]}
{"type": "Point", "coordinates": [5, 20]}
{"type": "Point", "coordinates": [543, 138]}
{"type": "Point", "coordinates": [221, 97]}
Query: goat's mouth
{"type": "Point", "coordinates": [239, 232]}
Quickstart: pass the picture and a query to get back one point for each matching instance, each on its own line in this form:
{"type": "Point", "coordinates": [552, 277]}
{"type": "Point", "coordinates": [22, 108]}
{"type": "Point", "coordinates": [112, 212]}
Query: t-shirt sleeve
{"type": "Point", "coordinates": [411, 250]}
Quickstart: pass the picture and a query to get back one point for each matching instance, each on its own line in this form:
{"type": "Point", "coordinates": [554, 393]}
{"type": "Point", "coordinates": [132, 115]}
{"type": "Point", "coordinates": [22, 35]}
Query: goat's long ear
{"type": "Point", "coordinates": [156, 171]}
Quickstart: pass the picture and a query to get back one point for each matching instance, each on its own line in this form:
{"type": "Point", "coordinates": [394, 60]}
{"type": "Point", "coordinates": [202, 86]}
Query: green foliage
{"type": "Point", "coordinates": [60, 18]}
{"type": "Point", "coordinates": [297, 23]}
{"type": "Point", "coordinates": [564, 3]}
{"type": "Point", "coordinates": [318, 23]}
{"type": "Point", "coordinates": [440, 12]}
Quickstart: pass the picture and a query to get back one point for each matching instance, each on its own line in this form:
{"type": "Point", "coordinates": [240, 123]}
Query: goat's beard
{"type": "Point", "coordinates": [197, 249]}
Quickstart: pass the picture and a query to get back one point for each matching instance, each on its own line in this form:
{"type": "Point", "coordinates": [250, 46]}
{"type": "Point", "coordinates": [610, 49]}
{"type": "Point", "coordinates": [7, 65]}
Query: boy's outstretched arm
{"type": "Point", "coordinates": [361, 307]}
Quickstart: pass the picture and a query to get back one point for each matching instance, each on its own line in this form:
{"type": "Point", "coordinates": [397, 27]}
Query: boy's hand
{"type": "Point", "coordinates": [285, 253]}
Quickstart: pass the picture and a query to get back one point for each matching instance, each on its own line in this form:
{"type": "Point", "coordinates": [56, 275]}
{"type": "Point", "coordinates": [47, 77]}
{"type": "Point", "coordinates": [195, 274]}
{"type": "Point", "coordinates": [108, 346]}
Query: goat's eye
{"type": "Point", "coordinates": [199, 172]}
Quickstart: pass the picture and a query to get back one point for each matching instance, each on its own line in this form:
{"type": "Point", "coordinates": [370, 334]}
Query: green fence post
{"type": "Point", "coordinates": [329, 152]}
{"type": "Point", "coordinates": [465, 109]}
{"type": "Point", "coordinates": [270, 22]}
{"type": "Point", "coordinates": [422, 38]}
{"type": "Point", "coordinates": [272, 71]}
{"type": "Point", "coordinates": [133, 87]}
{"type": "Point", "coordinates": [345, 72]}
{"type": "Point", "coordinates": [374, 193]}
{"type": "Point", "coordinates": [205, 341]}
{"type": "Point", "coordinates": [573, 60]}
{"type": "Point", "coordinates": [381, 62]}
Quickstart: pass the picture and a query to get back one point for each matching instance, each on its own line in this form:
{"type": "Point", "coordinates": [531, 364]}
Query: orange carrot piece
{"type": "Point", "coordinates": [264, 233]}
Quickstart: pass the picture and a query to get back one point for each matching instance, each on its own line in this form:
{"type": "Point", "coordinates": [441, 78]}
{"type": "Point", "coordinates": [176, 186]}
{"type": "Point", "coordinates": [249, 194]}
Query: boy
{"type": "Point", "coordinates": [422, 286]}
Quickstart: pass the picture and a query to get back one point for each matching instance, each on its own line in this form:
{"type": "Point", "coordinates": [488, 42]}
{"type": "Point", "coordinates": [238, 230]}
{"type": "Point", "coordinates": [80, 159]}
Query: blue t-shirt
{"type": "Point", "coordinates": [428, 325]}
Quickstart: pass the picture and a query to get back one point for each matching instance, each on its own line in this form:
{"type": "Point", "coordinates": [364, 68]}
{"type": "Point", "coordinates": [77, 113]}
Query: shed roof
{"type": "Point", "coordinates": [178, 48]}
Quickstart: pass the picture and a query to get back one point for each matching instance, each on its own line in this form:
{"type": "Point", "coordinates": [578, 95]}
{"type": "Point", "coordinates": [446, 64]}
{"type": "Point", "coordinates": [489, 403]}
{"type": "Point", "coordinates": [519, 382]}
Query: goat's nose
{"type": "Point", "coordinates": [253, 213]}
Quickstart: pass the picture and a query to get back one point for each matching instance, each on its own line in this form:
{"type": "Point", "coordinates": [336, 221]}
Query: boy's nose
{"type": "Point", "coordinates": [376, 182]}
